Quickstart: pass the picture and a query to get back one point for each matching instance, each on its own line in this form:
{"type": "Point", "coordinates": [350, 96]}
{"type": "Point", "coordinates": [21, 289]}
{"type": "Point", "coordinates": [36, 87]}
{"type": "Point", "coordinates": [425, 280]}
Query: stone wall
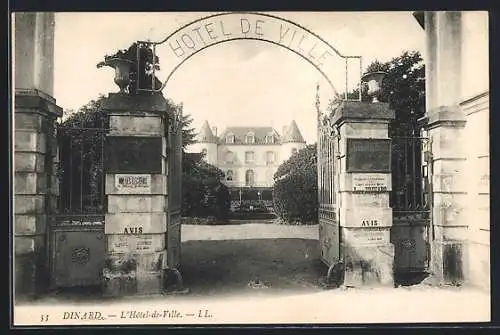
{"type": "Point", "coordinates": [477, 169]}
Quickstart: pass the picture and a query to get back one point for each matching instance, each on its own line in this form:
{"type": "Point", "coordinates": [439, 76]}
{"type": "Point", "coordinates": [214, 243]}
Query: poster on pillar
{"type": "Point", "coordinates": [133, 182]}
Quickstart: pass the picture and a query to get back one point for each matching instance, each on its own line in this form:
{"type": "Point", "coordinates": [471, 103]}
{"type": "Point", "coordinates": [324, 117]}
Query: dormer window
{"type": "Point", "coordinates": [250, 138]}
{"type": "Point", "coordinates": [230, 138]}
{"type": "Point", "coordinates": [269, 139]}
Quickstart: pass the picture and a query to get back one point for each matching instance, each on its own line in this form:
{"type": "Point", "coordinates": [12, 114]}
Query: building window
{"type": "Point", "coordinates": [229, 157]}
{"type": "Point", "coordinates": [230, 138]}
{"type": "Point", "coordinates": [269, 177]}
{"type": "Point", "coordinates": [250, 138]}
{"type": "Point", "coordinates": [294, 151]}
{"type": "Point", "coordinates": [249, 178]}
{"type": "Point", "coordinates": [269, 139]}
{"type": "Point", "coordinates": [269, 158]}
{"type": "Point", "coordinates": [249, 157]}
{"type": "Point", "coordinates": [229, 175]}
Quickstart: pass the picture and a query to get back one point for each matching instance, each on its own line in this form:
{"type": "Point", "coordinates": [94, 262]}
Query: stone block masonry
{"type": "Point", "coordinates": [136, 189]}
{"type": "Point", "coordinates": [363, 189]}
{"type": "Point", "coordinates": [35, 190]}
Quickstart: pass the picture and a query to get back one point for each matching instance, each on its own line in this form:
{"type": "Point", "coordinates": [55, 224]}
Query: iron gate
{"type": "Point", "coordinates": [329, 235]}
{"type": "Point", "coordinates": [76, 224]}
{"type": "Point", "coordinates": [411, 202]}
{"type": "Point", "coordinates": [174, 187]}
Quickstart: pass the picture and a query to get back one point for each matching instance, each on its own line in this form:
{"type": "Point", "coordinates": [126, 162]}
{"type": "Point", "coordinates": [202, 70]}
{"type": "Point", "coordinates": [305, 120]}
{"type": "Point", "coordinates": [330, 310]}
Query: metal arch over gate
{"type": "Point", "coordinates": [212, 30]}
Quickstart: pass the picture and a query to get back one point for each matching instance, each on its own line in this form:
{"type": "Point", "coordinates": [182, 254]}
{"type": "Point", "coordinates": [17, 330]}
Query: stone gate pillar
{"type": "Point", "coordinates": [136, 189]}
{"type": "Point", "coordinates": [35, 188]}
{"type": "Point", "coordinates": [445, 123]}
{"type": "Point", "coordinates": [35, 150]}
{"type": "Point", "coordinates": [363, 190]}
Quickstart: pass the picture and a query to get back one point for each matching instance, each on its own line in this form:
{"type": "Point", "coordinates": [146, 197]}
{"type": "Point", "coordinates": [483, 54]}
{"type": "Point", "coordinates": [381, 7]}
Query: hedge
{"type": "Point", "coordinates": [296, 197]}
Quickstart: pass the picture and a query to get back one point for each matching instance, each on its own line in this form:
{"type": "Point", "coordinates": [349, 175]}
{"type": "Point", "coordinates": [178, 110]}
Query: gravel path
{"type": "Point", "coordinates": [247, 231]}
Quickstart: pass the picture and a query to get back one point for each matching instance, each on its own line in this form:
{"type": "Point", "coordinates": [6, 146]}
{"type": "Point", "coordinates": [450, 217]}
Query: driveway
{"type": "Point", "coordinates": [251, 258]}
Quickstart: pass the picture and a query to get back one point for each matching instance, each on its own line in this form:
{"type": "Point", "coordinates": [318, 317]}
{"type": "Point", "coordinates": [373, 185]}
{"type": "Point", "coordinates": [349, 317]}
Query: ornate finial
{"type": "Point", "coordinates": [134, 68]}
{"type": "Point", "coordinates": [122, 63]}
{"type": "Point", "coordinates": [317, 104]}
{"type": "Point", "coordinates": [374, 81]}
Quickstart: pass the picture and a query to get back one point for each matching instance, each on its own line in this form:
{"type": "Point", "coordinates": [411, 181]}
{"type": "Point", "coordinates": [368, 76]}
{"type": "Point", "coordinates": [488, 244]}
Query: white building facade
{"type": "Point", "coordinates": [248, 156]}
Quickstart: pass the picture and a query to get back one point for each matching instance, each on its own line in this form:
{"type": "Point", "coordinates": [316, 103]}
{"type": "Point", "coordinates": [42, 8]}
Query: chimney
{"type": "Point", "coordinates": [284, 130]}
{"type": "Point", "coordinates": [214, 131]}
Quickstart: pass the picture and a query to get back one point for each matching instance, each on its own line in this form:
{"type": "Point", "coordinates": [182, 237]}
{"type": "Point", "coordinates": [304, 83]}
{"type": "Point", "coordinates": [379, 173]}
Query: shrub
{"type": "Point", "coordinates": [296, 198]}
{"type": "Point", "coordinates": [203, 193]}
{"type": "Point", "coordinates": [295, 193]}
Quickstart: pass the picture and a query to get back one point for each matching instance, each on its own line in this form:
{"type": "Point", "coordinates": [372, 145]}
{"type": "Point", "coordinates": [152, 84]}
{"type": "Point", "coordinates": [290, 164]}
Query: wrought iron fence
{"type": "Point", "coordinates": [410, 175]}
{"type": "Point", "coordinates": [81, 171]}
{"type": "Point", "coordinates": [411, 202]}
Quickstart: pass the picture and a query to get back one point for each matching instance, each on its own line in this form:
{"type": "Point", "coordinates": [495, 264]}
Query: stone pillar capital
{"type": "Point", "coordinates": [36, 101]}
{"type": "Point", "coordinates": [357, 111]}
{"type": "Point", "coordinates": [451, 116]}
{"type": "Point", "coordinates": [136, 104]}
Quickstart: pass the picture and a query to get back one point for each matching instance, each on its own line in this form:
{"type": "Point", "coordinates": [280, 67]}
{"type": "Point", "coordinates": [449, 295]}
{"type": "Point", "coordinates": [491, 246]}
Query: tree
{"type": "Point", "coordinates": [403, 88]}
{"type": "Point", "coordinates": [82, 136]}
{"type": "Point", "coordinates": [295, 192]}
{"type": "Point", "coordinates": [304, 160]}
{"type": "Point", "coordinates": [81, 148]}
{"type": "Point", "coordinates": [188, 132]}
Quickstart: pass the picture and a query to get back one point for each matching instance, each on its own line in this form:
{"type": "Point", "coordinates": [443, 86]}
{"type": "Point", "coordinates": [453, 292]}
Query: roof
{"type": "Point", "coordinates": [205, 135]}
{"type": "Point", "coordinates": [292, 134]}
{"type": "Point", "coordinates": [239, 133]}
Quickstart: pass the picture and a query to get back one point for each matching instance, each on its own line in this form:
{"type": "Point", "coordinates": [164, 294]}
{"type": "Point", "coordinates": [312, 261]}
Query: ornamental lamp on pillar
{"type": "Point", "coordinates": [374, 82]}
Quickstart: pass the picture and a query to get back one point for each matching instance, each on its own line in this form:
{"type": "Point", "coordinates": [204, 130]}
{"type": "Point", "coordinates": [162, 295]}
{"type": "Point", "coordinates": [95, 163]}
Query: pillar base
{"type": "Point", "coordinates": [368, 265]}
{"type": "Point", "coordinates": [448, 265]}
{"type": "Point", "coordinates": [134, 274]}
{"type": "Point", "coordinates": [119, 284]}
{"type": "Point", "coordinates": [31, 275]}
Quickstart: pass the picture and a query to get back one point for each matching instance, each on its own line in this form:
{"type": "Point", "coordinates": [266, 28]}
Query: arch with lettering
{"type": "Point", "coordinates": [212, 30]}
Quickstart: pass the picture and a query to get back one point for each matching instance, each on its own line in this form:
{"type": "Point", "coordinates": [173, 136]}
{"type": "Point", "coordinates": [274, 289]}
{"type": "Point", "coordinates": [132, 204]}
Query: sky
{"type": "Point", "coordinates": [239, 83]}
